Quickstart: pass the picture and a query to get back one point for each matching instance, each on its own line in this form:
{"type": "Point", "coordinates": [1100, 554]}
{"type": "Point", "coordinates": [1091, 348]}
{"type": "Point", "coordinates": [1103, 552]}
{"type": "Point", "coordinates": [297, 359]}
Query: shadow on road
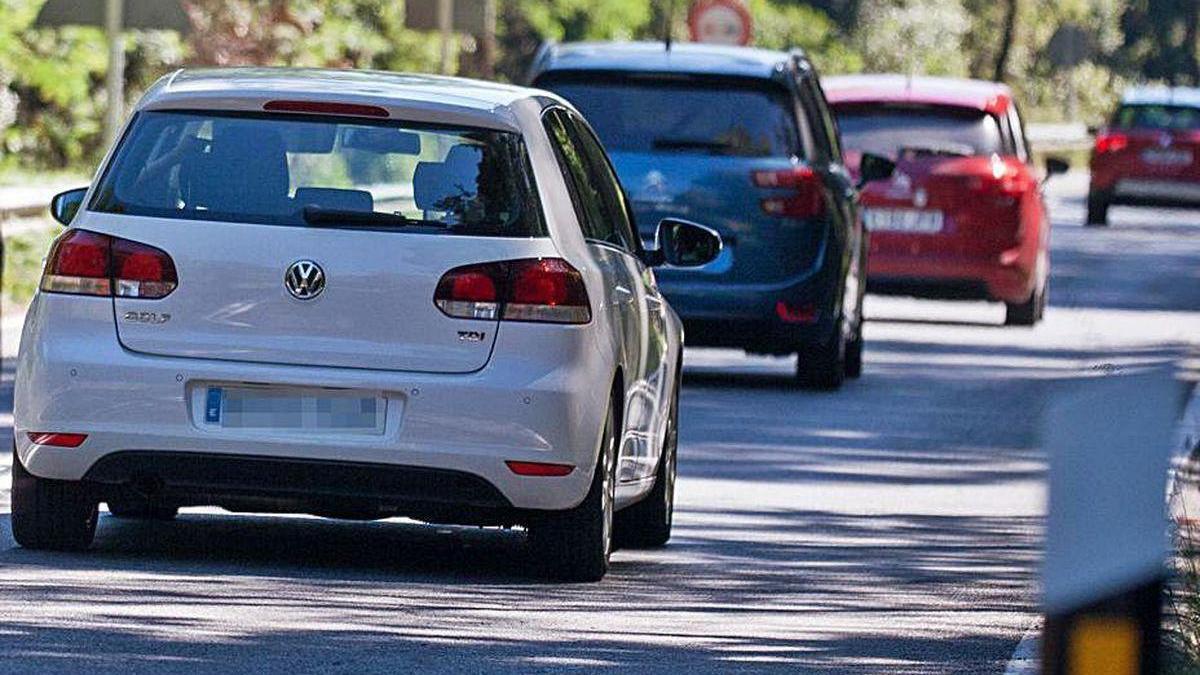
{"type": "Point", "coordinates": [356, 595]}
{"type": "Point", "coordinates": [893, 526]}
{"type": "Point", "coordinates": [821, 531]}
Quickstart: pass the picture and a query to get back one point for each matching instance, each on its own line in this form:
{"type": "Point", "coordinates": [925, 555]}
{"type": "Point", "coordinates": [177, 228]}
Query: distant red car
{"type": "Point", "coordinates": [963, 215]}
{"type": "Point", "coordinates": [1149, 154]}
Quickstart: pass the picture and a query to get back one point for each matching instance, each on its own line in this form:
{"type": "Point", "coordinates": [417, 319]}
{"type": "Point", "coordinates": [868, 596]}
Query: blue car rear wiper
{"type": "Point", "coordinates": [691, 144]}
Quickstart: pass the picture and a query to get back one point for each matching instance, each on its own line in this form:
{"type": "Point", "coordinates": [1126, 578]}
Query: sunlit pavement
{"type": "Point", "coordinates": [891, 527]}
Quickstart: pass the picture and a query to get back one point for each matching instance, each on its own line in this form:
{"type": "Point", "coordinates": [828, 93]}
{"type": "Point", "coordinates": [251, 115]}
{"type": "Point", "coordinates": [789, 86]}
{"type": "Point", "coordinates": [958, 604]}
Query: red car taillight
{"type": "Point", "coordinates": [544, 290]}
{"type": "Point", "coordinates": [807, 200]}
{"type": "Point", "coordinates": [539, 468]}
{"type": "Point", "coordinates": [90, 263]}
{"type": "Point", "coordinates": [998, 178]}
{"type": "Point", "coordinates": [1109, 142]}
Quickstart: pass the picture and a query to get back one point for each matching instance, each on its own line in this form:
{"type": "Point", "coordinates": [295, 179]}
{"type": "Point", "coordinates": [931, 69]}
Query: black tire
{"type": "Point", "coordinates": [1097, 210]}
{"type": "Point", "coordinates": [822, 365]}
{"type": "Point", "coordinates": [140, 509]}
{"type": "Point", "coordinates": [1026, 313]}
{"type": "Point", "coordinates": [575, 545]}
{"type": "Point", "coordinates": [647, 524]}
{"type": "Point", "coordinates": [1043, 299]}
{"type": "Point", "coordinates": [854, 352]}
{"type": "Point", "coordinates": [53, 515]}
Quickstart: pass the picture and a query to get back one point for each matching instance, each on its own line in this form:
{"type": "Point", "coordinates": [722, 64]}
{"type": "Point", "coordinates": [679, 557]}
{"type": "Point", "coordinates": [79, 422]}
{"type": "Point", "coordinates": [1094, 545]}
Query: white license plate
{"type": "Point", "coordinates": [1168, 157]}
{"type": "Point", "coordinates": [286, 409]}
{"type": "Point", "coordinates": [903, 220]}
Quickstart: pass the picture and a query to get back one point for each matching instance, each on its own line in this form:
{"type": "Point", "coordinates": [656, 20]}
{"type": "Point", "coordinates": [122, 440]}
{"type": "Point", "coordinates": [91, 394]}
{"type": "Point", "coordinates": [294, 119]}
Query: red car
{"type": "Point", "coordinates": [1149, 154]}
{"type": "Point", "coordinates": [963, 216]}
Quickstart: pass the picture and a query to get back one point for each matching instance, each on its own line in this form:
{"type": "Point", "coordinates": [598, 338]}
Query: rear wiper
{"type": "Point", "coordinates": [947, 150]}
{"type": "Point", "coordinates": [691, 144]}
{"type": "Point", "coordinates": [318, 216]}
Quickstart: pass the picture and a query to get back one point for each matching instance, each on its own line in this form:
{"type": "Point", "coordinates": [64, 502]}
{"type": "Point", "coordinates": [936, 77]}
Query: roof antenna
{"type": "Point", "coordinates": [669, 24]}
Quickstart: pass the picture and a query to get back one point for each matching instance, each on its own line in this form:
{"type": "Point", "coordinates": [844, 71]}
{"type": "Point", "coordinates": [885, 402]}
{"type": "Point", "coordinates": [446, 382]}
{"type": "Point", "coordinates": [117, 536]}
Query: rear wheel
{"type": "Point", "coordinates": [854, 351]}
{"type": "Point", "coordinates": [647, 524]}
{"type": "Point", "coordinates": [1097, 210]}
{"type": "Point", "coordinates": [140, 509]}
{"type": "Point", "coordinates": [822, 365]}
{"type": "Point", "coordinates": [575, 545]}
{"type": "Point", "coordinates": [1027, 313]}
{"type": "Point", "coordinates": [51, 514]}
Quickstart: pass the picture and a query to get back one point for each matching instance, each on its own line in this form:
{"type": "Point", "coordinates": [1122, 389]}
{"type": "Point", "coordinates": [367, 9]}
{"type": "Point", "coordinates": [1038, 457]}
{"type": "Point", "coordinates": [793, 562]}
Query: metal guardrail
{"type": "Point", "coordinates": [1058, 135]}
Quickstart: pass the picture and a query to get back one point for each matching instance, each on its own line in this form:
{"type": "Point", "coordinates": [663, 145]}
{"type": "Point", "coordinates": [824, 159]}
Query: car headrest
{"type": "Point", "coordinates": [333, 198]}
{"type": "Point", "coordinates": [433, 182]}
{"type": "Point", "coordinates": [246, 170]}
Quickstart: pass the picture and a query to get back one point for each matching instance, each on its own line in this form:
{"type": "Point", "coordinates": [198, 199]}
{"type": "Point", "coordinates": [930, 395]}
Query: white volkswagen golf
{"type": "Point", "coordinates": [357, 295]}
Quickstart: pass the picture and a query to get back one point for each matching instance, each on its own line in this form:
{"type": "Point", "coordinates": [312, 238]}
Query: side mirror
{"type": "Point", "coordinates": [873, 167]}
{"type": "Point", "coordinates": [682, 243]}
{"type": "Point", "coordinates": [65, 205]}
{"type": "Point", "coordinates": [1056, 166]}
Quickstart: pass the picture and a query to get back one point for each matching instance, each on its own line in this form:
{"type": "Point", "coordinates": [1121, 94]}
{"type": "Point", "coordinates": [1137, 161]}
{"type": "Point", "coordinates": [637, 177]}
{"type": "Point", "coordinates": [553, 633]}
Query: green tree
{"type": "Point", "coordinates": [914, 36]}
{"type": "Point", "coordinates": [781, 25]}
{"type": "Point", "coordinates": [524, 25]}
{"type": "Point", "coordinates": [1161, 39]}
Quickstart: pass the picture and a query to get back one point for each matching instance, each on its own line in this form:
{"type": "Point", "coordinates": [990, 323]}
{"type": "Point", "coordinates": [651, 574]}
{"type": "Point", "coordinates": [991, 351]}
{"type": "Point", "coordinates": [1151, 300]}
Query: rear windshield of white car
{"type": "Point", "coordinates": [902, 131]}
{"type": "Point", "coordinates": [1159, 117]}
{"type": "Point", "coordinates": [322, 172]}
{"type": "Point", "coordinates": [708, 116]}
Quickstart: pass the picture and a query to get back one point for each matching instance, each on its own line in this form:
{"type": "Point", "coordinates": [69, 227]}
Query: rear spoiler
{"type": "Point", "coordinates": [541, 58]}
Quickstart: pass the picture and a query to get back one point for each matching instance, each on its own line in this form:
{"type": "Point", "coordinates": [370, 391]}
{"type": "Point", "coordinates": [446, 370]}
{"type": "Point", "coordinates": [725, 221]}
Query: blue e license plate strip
{"type": "Point", "coordinates": [292, 409]}
{"type": "Point", "coordinates": [212, 405]}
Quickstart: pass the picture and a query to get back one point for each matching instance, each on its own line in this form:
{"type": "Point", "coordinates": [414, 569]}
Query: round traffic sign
{"type": "Point", "coordinates": [725, 22]}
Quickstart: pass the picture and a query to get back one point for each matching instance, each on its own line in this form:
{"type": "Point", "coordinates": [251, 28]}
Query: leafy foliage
{"type": "Point", "coordinates": [52, 94]}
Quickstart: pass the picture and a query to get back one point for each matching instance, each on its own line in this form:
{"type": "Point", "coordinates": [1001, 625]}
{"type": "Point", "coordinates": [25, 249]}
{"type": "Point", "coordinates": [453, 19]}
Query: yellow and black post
{"type": "Point", "coordinates": [1106, 538]}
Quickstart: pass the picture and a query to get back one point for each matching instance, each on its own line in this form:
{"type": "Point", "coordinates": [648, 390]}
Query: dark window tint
{"type": "Point", "coordinates": [1020, 140]}
{"type": "Point", "coordinates": [816, 111]}
{"type": "Point", "coordinates": [289, 170]}
{"type": "Point", "coordinates": [703, 116]}
{"type": "Point", "coordinates": [616, 211]}
{"type": "Point", "coordinates": [589, 205]}
{"type": "Point", "coordinates": [1165, 117]}
{"type": "Point", "coordinates": [905, 131]}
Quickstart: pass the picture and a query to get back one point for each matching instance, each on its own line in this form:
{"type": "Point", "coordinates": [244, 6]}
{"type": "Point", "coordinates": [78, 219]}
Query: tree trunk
{"type": "Point", "coordinates": [1009, 34]}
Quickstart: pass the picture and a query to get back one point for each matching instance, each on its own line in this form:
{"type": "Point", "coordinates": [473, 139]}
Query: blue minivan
{"type": "Point", "coordinates": [741, 140]}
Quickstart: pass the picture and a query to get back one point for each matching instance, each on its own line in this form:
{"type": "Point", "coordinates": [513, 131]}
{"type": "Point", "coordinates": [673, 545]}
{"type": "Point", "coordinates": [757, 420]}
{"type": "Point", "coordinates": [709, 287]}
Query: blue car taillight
{"type": "Point", "coordinates": [807, 198]}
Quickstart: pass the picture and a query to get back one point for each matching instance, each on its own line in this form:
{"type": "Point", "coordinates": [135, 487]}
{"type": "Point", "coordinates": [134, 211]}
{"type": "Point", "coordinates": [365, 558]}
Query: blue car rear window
{"type": "Point", "coordinates": [646, 113]}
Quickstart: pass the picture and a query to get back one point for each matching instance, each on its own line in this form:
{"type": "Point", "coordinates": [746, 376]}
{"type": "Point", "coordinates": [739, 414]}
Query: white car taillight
{"type": "Point", "coordinates": [543, 290]}
{"type": "Point", "coordinates": [89, 263]}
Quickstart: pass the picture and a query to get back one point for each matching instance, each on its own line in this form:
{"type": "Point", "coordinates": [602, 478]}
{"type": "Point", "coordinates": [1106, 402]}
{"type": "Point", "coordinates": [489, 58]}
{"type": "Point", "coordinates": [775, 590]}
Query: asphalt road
{"type": "Point", "coordinates": [894, 526]}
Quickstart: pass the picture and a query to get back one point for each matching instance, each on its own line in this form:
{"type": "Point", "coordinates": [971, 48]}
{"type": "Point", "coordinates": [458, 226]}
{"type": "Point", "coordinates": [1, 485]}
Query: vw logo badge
{"type": "Point", "coordinates": [304, 279]}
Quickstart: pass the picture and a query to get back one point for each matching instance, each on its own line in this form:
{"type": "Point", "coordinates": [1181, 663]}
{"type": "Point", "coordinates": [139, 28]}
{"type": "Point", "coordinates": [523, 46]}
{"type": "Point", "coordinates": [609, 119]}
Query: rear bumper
{"type": "Point", "coordinates": [540, 404]}
{"type": "Point", "coordinates": [746, 316]}
{"type": "Point", "coordinates": [250, 483]}
{"type": "Point", "coordinates": [952, 278]}
{"type": "Point", "coordinates": [1153, 192]}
